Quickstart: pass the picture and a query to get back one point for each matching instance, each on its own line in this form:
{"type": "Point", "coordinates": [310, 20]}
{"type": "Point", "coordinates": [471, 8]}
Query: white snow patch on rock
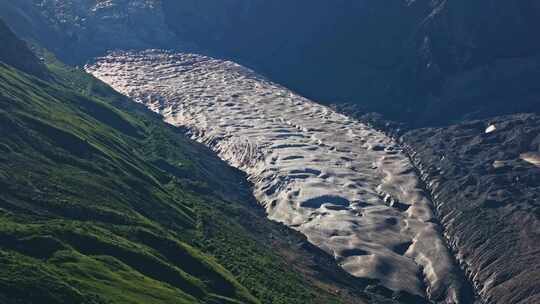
{"type": "Point", "coordinates": [491, 129]}
{"type": "Point", "coordinates": [531, 157]}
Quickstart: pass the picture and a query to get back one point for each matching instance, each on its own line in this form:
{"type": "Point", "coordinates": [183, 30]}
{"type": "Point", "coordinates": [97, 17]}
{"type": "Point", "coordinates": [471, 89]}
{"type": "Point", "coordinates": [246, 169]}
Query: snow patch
{"type": "Point", "coordinates": [531, 157]}
{"type": "Point", "coordinates": [491, 129]}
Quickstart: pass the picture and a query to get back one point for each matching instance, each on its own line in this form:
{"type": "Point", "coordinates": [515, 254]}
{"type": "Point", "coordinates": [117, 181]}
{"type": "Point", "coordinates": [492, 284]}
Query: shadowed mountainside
{"type": "Point", "coordinates": [424, 62]}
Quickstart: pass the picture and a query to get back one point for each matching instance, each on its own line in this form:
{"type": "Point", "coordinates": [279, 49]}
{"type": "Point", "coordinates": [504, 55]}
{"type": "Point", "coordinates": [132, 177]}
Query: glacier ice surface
{"type": "Point", "coordinates": [349, 188]}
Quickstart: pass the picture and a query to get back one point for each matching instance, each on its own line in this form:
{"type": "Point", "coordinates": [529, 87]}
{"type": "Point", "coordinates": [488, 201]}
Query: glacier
{"type": "Point", "coordinates": [350, 189]}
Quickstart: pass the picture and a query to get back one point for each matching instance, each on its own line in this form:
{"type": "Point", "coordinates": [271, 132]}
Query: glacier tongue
{"type": "Point", "coordinates": [349, 188]}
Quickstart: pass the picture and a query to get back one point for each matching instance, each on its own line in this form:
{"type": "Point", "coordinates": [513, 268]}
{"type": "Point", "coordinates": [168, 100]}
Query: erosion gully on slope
{"type": "Point", "coordinates": [349, 188]}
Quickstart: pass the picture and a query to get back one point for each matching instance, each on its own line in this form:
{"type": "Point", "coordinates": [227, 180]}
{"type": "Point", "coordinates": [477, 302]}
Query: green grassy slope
{"type": "Point", "coordinates": [85, 215]}
{"type": "Point", "coordinates": [101, 204]}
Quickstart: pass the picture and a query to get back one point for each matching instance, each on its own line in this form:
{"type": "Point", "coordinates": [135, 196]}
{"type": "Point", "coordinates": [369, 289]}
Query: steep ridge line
{"type": "Point", "coordinates": [349, 188]}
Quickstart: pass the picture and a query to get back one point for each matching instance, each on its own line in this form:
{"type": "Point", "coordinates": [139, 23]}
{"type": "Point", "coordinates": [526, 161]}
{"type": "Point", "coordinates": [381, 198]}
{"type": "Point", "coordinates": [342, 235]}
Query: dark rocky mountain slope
{"type": "Point", "coordinates": [425, 62]}
{"type": "Point", "coordinates": [485, 180]}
